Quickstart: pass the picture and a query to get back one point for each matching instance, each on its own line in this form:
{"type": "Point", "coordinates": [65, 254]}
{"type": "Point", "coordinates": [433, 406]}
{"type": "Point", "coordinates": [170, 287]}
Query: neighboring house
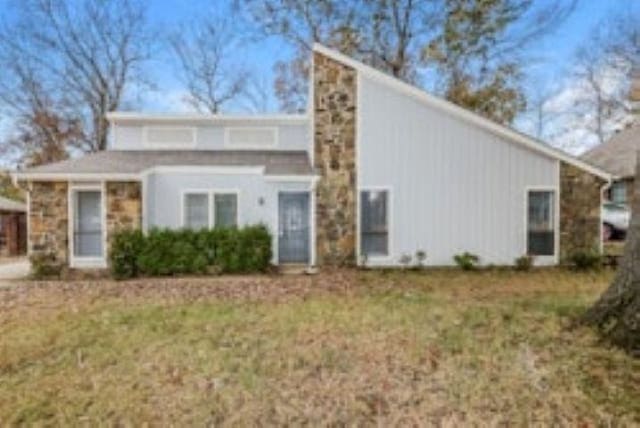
{"type": "Point", "coordinates": [13, 227]}
{"type": "Point", "coordinates": [618, 157]}
{"type": "Point", "coordinates": [376, 167]}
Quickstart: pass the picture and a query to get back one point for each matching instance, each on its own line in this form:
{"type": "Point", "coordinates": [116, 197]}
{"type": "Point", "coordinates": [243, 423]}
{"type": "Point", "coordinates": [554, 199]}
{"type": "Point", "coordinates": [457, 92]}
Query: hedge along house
{"type": "Point", "coordinates": [375, 169]}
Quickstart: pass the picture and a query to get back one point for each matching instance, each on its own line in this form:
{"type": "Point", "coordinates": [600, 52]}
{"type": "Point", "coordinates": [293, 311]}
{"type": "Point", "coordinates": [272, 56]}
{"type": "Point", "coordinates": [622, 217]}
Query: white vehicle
{"type": "Point", "coordinates": [615, 220]}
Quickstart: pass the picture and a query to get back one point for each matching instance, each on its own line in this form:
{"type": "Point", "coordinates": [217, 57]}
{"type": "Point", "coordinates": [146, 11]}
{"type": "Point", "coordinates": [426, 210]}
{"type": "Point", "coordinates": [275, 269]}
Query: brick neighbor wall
{"type": "Point", "coordinates": [334, 106]}
{"type": "Point", "coordinates": [580, 194]}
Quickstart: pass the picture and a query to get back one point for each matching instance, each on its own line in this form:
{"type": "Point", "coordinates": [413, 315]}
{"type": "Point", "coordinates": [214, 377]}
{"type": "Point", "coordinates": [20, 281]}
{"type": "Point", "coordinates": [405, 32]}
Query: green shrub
{"type": "Point", "coordinates": [125, 247]}
{"type": "Point", "coordinates": [466, 261]}
{"type": "Point", "coordinates": [178, 252]}
{"type": "Point", "coordinates": [524, 263]}
{"type": "Point", "coordinates": [585, 260]}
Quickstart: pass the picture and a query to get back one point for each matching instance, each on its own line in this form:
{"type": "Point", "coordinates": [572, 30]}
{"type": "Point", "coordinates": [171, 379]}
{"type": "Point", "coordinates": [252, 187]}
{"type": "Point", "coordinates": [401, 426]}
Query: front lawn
{"type": "Point", "coordinates": [395, 348]}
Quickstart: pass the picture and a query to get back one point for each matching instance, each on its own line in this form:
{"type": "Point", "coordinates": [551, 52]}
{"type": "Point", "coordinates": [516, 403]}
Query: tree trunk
{"type": "Point", "coordinates": [617, 312]}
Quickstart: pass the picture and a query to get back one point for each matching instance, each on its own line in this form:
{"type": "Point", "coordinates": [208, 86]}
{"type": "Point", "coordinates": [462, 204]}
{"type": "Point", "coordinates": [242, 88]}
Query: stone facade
{"type": "Point", "coordinates": [48, 221]}
{"type": "Point", "coordinates": [580, 197]}
{"type": "Point", "coordinates": [124, 207]}
{"type": "Point", "coordinates": [334, 107]}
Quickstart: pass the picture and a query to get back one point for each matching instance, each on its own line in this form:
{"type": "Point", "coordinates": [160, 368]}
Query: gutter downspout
{"type": "Point", "coordinates": [603, 189]}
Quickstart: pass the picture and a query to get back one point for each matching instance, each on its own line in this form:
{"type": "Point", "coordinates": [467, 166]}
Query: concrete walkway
{"type": "Point", "coordinates": [12, 269]}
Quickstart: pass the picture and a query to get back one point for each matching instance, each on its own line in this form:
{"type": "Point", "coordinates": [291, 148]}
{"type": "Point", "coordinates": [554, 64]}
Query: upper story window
{"type": "Point", "coordinates": [251, 137]}
{"type": "Point", "coordinates": [618, 192]}
{"type": "Point", "coordinates": [164, 137]}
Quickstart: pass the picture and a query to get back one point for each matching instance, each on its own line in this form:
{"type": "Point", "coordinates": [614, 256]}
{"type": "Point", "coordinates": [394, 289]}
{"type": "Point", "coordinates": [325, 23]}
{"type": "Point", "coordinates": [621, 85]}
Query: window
{"type": "Point", "coordinates": [169, 138]}
{"type": "Point", "coordinates": [618, 192]}
{"type": "Point", "coordinates": [252, 138]}
{"type": "Point", "coordinates": [204, 209]}
{"type": "Point", "coordinates": [196, 211]}
{"type": "Point", "coordinates": [374, 227]}
{"type": "Point", "coordinates": [541, 223]}
{"type": "Point", "coordinates": [87, 225]}
{"type": "Point", "coordinates": [225, 209]}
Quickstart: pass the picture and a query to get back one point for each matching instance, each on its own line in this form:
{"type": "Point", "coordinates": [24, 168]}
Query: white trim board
{"type": "Point", "coordinates": [226, 170]}
{"type": "Point", "coordinates": [141, 118]}
{"type": "Point", "coordinates": [171, 145]}
{"type": "Point", "coordinates": [274, 130]}
{"type": "Point", "coordinates": [449, 107]}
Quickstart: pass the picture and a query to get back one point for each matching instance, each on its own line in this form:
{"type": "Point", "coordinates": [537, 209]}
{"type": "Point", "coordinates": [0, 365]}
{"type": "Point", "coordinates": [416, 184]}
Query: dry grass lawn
{"type": "Point", "coordinates": [347, 348]}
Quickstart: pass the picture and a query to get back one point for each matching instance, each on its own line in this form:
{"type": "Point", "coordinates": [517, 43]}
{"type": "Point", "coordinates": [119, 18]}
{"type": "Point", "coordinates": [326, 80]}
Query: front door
{"type": "Point", "coordinates": [293, 232]}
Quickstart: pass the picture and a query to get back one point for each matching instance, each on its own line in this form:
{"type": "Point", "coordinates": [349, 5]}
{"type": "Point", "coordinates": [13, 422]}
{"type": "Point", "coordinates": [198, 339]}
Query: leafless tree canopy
{"type": "Point", "coordinates": [82, 54]}
{"type": "Point", "coordinates": [206, 69]}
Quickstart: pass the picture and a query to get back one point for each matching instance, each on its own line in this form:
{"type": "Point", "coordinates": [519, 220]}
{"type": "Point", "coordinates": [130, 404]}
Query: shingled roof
{"type": "Point", "coordinates": [137, 161]}
{"type": "Point", "coordinates": [618, 155]}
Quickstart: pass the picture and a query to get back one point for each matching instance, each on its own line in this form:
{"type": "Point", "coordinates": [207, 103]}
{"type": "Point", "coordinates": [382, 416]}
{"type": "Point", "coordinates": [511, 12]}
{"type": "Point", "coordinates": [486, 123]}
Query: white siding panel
{"type": "Point", "coordinates": [290, 136]}
{"type": "Point", "coordinates": [455, 187]}
{"type": "Point", "coordinates": [165, 190]}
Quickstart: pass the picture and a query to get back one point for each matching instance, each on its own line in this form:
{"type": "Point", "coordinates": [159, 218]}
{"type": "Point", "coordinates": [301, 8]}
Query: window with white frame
{"type": "Point", "coordinates": [210, 209]}
{"type": "Point", "coordinates": [618, 192]}
{"type": "Point", "coordinates": [196, 210]}
{"type": "Point", "coordinates": [225, 209]}
{"type": "Point", "coordinates": [541, 224]}
{"type": "Point", "coordinates": [374, 222]}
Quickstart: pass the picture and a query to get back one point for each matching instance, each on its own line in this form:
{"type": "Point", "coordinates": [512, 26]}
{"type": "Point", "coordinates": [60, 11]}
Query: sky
{"type": "Point", "coordinates": [548, 67]}
{"type": "Point", "coordinates": [550, 57]}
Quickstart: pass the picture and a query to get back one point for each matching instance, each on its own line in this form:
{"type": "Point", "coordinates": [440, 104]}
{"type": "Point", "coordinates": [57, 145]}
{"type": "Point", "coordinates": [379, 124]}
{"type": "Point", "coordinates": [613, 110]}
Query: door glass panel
{"type": "Point", "coordinates": [88, 224]}
{"type": "Point", "coordinates": [541, 224]}
{"type": "Point", "coordinates": [226, 209]}
{"type": "Point", "coordinates": [196, 210]}
{"type": "Point", "coordinates": [293, 239]}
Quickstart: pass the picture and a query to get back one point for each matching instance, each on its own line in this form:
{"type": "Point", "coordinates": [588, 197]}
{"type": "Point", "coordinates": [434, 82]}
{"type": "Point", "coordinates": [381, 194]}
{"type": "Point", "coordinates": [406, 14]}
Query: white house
{"type": "Point", "coordinates": [375, 169]}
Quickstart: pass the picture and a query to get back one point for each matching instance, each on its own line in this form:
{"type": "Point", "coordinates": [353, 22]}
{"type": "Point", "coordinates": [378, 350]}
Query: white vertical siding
{"type": "Point", "coordinates": [164, 197]}
{"type": "Point", "coordinates": [455, 187]}
{"type": "Point", "coordinates": [292, 136]}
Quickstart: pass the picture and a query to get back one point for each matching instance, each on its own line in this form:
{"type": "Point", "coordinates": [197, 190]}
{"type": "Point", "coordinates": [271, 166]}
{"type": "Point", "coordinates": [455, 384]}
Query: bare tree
{"type": "Point", "coordinates": [258, 96]}
{"type": "Point", "coordinates": [42, 131]}
{"type": "Point", "coordinates": [205, 54]}
{"type": "Point", "coordinates": [302, 23]}
{"type": "Point", "coordinates": [602, 70]}
{"type": "Point", "coordinates": [391, 33]}
{"type": "Point", "coordinates": [600, 99]}
{"type": "Point", "coordinates": [86, 53]}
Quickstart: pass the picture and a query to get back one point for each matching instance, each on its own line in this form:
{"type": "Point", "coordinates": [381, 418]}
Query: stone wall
{"type": "Point", "coordinates": [124, 207]}
{"type": "Point", "coordinates": [48, 220]}
{"type": "Point", "coordinates": [334, 107]}
{"type": "Point", "coordinates": [580, 198]}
